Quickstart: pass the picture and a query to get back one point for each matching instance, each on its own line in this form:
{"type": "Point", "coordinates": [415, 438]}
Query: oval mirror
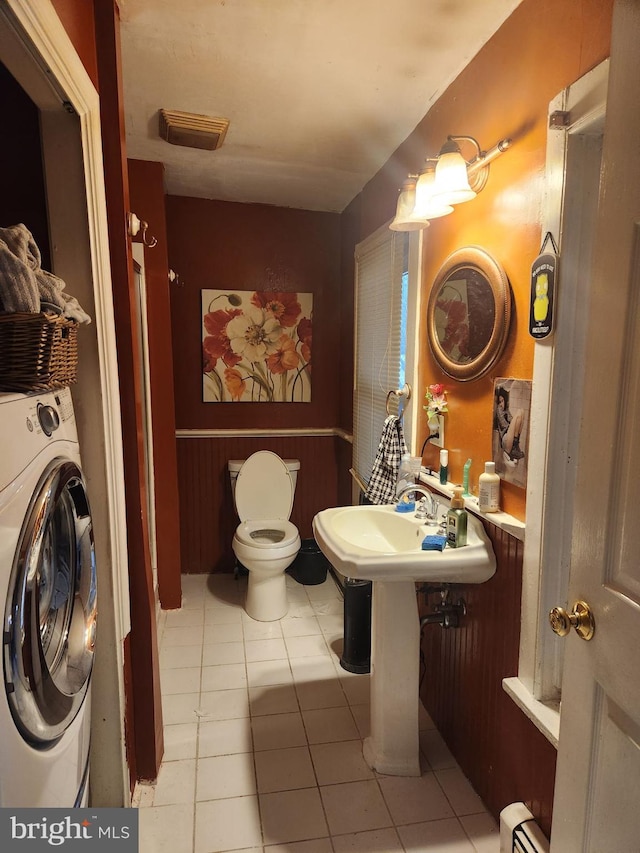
{"type": "Point", "coordinates": [468, 314]}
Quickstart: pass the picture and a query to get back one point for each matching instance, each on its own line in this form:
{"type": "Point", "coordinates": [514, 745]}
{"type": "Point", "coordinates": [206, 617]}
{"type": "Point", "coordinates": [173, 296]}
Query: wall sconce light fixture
{"type": "Point", "coordinates": [453, 180]}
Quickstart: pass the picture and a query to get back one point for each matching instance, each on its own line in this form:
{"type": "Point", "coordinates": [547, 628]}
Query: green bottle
{"type": "Point", "coordinates": [457, 520]}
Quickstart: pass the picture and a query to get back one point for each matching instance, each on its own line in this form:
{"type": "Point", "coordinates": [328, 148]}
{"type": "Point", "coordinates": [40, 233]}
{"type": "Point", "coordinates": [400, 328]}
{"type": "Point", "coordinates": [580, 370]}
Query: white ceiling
{"type": "Point", "coordinates": [319, 93]}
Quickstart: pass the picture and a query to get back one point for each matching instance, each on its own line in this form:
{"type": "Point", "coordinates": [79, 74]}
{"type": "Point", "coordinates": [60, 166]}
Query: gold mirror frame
{"type": "Point", "coordinates": [481, 263]}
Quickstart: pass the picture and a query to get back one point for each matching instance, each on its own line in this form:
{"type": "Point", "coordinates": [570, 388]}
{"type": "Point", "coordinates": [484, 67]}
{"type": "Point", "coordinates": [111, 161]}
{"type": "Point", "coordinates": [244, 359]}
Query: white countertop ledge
{"type": "Point", "coordinates": [511, 525]}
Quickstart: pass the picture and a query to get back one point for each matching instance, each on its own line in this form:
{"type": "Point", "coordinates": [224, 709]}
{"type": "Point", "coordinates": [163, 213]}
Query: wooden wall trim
{"type": "Point", "coordinates": [313, 432]}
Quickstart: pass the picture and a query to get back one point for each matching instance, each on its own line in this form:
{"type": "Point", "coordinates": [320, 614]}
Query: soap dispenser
{"type": "Point", "coordinates": [457, 520]}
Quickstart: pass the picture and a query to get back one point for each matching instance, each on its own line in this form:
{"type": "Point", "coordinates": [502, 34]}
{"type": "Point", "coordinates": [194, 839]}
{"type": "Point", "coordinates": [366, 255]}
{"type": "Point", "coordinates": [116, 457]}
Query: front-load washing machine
{"type": "Point", "coordinates": [48, 597]}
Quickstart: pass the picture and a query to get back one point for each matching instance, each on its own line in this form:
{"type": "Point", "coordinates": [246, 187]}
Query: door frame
{"type": "Point", "coordinates": [556, 394]}
{"type": "Point", "coordinates": [37, 51]}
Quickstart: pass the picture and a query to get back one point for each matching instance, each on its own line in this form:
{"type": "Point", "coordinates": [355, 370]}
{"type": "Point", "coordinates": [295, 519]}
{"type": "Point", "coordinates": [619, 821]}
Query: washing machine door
{"type": "Point", "coordinates": [50, 616]}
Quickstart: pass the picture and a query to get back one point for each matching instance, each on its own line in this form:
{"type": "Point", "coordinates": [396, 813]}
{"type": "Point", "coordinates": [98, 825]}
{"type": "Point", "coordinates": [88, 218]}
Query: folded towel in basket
{"type": "Point", "coordinates": [24, 285]}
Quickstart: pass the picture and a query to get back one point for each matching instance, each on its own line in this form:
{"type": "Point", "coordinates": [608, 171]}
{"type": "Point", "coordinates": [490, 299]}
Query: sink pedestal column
{"type": "Point", "coordinates": [393, 746]}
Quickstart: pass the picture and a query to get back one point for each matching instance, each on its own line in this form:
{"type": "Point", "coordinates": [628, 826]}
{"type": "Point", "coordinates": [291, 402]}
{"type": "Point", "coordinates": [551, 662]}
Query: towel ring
{"type": "Point", "coordinates": [402, 393]}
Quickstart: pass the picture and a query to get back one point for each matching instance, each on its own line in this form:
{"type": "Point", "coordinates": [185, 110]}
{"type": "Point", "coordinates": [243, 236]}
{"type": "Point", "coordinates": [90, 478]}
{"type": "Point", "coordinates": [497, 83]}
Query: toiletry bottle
{"type": "Point", "coordinates": [457, 520]}
{"type": "Point", "coordinates": [465, 479]}
{"type": "Point", "coordinates": [444, 467]}
{"type": "Point", "coordinates": [489, 489]}
{"type": "Point", "coordinates": [405, 473]}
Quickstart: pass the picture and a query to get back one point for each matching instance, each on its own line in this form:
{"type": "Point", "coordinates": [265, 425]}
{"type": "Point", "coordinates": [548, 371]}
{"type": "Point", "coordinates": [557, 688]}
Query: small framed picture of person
{"type": "Point", "coordinates": [511, 415]}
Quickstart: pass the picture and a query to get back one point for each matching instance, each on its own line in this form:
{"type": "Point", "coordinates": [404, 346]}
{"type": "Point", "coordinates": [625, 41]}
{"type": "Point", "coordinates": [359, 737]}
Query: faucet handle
{"type": "Point", "coordinates": [421, 509]}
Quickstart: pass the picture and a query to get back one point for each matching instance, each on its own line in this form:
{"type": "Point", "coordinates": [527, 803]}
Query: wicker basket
{"type": "Point", "coordinates": [38, 352]}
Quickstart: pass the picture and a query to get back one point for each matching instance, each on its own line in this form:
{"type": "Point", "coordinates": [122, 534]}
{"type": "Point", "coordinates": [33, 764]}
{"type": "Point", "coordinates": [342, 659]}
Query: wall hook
{"type": "Point", "coordinates": [136, 226]}
{"type": "Point", "coordinates": [175, 277]}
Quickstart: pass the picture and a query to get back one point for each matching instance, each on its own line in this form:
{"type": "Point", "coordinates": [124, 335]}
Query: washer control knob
{"type": "Point", "coordinates": [49, 418]}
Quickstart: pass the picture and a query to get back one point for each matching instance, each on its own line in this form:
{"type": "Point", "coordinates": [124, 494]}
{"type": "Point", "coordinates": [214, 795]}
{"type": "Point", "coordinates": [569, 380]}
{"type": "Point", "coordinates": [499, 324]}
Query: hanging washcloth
{"type": "Point", "coordinates": [384, 474]}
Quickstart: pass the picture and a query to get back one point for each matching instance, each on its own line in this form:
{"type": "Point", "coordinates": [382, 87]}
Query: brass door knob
{"type": "Point", "coordinates": [581, 618]}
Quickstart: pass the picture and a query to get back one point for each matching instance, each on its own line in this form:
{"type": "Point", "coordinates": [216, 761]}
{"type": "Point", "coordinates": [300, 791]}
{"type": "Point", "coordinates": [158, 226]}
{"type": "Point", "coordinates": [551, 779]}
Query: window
{"type": "Point", "coordinates": [381, 358]}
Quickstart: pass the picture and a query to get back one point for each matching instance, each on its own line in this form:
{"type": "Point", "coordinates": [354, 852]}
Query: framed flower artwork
{"type": "Point", "coordinates": [256, 346]}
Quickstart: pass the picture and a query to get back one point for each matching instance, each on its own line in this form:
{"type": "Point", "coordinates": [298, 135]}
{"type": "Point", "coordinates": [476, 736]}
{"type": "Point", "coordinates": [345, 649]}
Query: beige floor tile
{"type": "Point", "coordinates": [176, 783]}
{"type": "Point", "coordinates": [357, 690]}
{"type": "Point", "coordinates": [185, 680]}
{"type": "Point", "coordinates": [229, 676]}
{"type": "Point", "coordinates": [314, 695]}
{"type": "Point", "coordinates": [411, 799]}
{"type": "Point", "coordinates": [318, 845]}
{"type": "Point", "coordinates": [354, 807]}
{"type": "Point", "coordinates": [187, 636]}
{"type": "Point", "coordinates": [180, 708]}
{"type": "Point", "coordinates": [273, 699]}
{"type": "Point", "coordinates": [303, 626]}
{"type": "Point", "coordinates": [231, 824]}
{"type": "Point", "coordinates": [222, 614]}
{"type": "Point", "coordinates": [223, 776]}
{"type": "Point", "coordinates": [166, 829]}
{"type": "Point", "coordinates": [424, 720]}
{"type": "Point", "coordinates": [272, 649]}
{"type": "Point", "coordinates": [483, 832]}
{"type": "Point", "coordinates": [284, 770]}
{"type": "Point", "coordinates": [221, 653]}
{"type": "Point", "coordinates": [223, 633]}
{"type": "Point", "coordinates": [223, 705]}
{"type": "Point", "coordinates": [331, 623]}
{"type": "Point", "coordinates": [299, 609]}
{"type": "Point", "coordinates": [278, 731]}
{"type": "Point", "coordinates": [340, 762]}
{"type": "Point", "coordinates": [329, 724]}
{"type": "Point", "coordinates": [375, 841]}
{"type": "Point", "coordinates": [292, 816]}
{"type": "Point", "coordinates": [306, 647]}
{"type": "Point", "coordinates": [224, 737]}
{"type": "Point", "coordinates": [361, 716]}
{"type": "Point", "coordinates": [434, 836]}
{"type": "Point", "coordinates": [435, 750]}
{"type": "Point", "coordinates": [184, 618]}
{"type": "Point", "coordinates": [459, 791]}
{"type": "Point", "coordinates": [266, 672]}
{"type": "Point", "coordinates": [172, 657]}
{"type": "Point", "coordinates": [180, 741]}
{"type": "Point", "coordinates": [313, 669]}
{"type": "Point", "coordinates": [260, 630]}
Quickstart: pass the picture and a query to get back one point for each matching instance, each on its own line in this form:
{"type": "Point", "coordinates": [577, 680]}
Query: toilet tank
{"type": "Point", "coordinates": [235, 465]}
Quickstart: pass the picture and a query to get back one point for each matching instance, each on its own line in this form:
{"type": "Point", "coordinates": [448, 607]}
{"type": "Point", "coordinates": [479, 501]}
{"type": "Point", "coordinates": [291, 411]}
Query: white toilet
{"type": "Point", "coordinates": [265, 541]}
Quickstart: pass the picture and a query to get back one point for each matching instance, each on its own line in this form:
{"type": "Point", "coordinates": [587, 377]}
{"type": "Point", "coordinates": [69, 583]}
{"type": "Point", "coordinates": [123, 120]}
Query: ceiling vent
{"type": "Point", "coordinates": [192, 130]}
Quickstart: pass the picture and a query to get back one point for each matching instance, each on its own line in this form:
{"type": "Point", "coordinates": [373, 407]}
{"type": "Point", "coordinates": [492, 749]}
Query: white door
{"type": "Point", "coordinates": [597, 804]}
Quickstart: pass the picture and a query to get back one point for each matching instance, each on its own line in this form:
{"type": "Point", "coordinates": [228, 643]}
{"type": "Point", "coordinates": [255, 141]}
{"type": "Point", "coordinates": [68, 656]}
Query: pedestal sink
{"type": "Point", "coordinates": [379, 544]}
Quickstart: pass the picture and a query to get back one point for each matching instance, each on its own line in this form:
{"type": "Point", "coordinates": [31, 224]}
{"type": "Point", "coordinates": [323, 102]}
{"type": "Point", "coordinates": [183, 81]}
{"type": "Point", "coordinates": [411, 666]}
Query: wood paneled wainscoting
{"type": "Point", "coordinates": [499, 749]}
{"type": "Point", "coordinates": [207, 515]}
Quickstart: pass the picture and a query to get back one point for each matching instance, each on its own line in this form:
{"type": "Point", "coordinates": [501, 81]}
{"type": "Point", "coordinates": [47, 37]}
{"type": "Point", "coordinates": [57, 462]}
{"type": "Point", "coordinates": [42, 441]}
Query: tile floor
{"type": "Point", "coordinates": [263, 741]}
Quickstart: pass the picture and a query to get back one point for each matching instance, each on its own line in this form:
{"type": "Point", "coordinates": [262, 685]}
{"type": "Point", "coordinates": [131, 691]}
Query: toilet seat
{"type": "Point", "coordinates": [268, 534]}
{"type": "Point", "coordinates": [264, 487]}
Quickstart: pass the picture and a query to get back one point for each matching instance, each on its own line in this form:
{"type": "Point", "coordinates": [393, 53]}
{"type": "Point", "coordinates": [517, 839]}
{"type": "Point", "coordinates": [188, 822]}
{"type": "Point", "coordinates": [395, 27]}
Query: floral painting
{"type": "Point", "coordinates": [256, 346]}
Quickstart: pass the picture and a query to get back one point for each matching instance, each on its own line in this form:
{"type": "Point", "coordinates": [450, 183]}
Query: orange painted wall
{"type": "Point", "coordinates": [504, 92]}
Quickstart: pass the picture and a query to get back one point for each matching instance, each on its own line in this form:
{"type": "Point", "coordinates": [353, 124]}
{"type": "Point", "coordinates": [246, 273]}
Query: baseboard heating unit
{"type": "Point", "coordinates": [519, 832]}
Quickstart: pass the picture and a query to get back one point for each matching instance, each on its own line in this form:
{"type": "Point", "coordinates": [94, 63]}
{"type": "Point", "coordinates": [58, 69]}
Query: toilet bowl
{"type": "Point", "coordinates": [265, 541]}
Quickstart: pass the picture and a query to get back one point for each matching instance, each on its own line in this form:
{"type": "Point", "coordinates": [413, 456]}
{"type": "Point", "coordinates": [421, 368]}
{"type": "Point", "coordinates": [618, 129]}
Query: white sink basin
{"type": "Point", "coordinates": [378, 543]}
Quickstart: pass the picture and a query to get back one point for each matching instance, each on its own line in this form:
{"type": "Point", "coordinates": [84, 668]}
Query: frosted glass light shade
{"type": "Point", "coordinates": [404, 219]}
{"type": "Point", "coordinates": [452, 182]}
{"type": "Point", "coordinates": [427, 206]}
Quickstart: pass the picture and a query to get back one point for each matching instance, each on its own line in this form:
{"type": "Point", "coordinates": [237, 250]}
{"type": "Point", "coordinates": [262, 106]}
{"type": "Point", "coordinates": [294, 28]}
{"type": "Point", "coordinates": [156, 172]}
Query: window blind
{"type": "Point", "coordinates": [381, 260]}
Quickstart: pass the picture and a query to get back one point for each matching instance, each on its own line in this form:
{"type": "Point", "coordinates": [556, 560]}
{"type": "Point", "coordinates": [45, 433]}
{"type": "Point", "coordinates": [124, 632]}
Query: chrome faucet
{"type": "Point", "coordinates": [428, 507]}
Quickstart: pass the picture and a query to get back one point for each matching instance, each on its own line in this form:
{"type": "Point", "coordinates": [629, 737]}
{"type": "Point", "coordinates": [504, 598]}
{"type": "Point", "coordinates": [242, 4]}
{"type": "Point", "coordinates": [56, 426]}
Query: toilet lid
{"type": "Point", "coordinates": [264, 488]}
